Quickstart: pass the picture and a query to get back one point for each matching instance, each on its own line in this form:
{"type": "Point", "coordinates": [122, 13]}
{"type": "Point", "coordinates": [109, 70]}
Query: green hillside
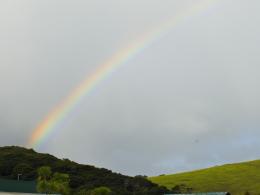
{"type": "Point", "coordinates": [236, 178]}
{"type": "Point", "coordinates": [17, 160]}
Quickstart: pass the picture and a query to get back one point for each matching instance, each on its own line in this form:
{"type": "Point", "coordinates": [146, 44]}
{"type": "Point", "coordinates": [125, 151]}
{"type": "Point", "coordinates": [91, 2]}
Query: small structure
{"type": "Point", "coordinates": [15, 193]}
{"type": "Point", "coordinates": [15, 186]}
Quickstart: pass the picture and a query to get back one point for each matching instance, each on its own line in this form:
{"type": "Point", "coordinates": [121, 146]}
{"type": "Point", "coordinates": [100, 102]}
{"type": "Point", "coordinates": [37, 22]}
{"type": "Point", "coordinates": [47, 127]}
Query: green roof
{"type": "Point", "coordinates": [17, 186]}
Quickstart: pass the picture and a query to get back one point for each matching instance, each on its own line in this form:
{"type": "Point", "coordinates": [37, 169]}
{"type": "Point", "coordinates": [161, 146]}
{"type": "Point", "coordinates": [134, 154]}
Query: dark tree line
{"type": "Point", "coordinates": [16, 160]}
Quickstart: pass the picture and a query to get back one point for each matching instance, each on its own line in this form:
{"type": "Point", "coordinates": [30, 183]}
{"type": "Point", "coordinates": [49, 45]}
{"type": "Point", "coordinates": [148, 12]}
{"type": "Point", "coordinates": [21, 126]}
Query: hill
{"type": "Point", "coordinates": [17, 160]}
{"type": "Point", "coordinates": [236, 178]}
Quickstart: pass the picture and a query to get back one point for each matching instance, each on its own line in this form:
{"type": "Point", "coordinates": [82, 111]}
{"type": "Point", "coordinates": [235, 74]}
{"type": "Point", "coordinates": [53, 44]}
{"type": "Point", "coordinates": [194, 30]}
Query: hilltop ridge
{"type": "Point", "coordinates": [14, 160]}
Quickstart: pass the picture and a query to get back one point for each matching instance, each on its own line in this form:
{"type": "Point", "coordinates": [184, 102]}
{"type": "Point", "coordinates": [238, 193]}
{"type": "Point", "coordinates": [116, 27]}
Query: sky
{"type": "Point", "coordinates": [189, 100]}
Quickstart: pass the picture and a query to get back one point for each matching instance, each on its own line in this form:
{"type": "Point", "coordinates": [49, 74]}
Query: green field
{"type": "Point", "coordinates": [234, 178]}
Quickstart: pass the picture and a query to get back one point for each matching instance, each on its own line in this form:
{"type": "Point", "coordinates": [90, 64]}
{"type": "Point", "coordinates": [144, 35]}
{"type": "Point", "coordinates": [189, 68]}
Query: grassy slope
{"type": "Point", "coordinates": [235, 178]}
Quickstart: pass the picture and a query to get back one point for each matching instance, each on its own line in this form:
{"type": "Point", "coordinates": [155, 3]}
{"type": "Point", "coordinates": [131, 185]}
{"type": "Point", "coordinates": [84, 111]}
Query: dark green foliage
{"type": "Point", "coordinates": [181, 189]}
{"type": "Point", "coordinates": [97, 191]}
{"type": "Point", "coordinates": [82, 177]}
{"type": "Point", "coordinates": [49, 183]}
{"type": "Point", "coordinates": [44, 173]}
{"type": "Point", "coordinates": [76, 181]}
{"type": "Point", "coordinates": [100, 191]}
{"type": "Point", "coordinates": [83, 192]}
{"type": "Point", "coordinates": [176, 189]}
{"type": "Point", "coordinates": [24, 170]}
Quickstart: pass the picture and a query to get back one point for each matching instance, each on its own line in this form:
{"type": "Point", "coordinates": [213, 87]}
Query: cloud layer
{"type": "Point", "coordinates": [188, 101]}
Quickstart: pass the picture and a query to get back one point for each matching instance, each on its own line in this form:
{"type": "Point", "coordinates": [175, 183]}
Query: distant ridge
{"type": "Point", "coordinates": [238, 178]}
{"type": "Point", "coordinates": [17, 160]}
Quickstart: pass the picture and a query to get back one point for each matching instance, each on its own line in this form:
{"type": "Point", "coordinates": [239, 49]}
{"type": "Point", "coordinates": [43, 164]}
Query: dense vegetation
{"type": "Point", "coordinates": [239, 178]}
{"type": "Point", "coordinates": [52, 183]}
{"type": "Point", "coordinates": [17, 160]}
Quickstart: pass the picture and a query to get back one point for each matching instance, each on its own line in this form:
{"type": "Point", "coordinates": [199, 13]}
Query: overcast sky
{"type": "Point", "coordinates": [190, 100]}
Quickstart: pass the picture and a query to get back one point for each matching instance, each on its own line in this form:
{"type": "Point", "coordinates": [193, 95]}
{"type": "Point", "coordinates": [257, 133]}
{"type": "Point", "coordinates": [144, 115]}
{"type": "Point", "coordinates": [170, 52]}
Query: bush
{"type": "Point", "coordinates": [101, 191]}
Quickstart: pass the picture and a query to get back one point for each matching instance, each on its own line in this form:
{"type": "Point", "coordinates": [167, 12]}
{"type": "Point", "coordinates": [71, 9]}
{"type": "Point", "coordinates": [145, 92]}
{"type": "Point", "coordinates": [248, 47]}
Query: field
{"type": "Point", "coordinates": [236, 178]}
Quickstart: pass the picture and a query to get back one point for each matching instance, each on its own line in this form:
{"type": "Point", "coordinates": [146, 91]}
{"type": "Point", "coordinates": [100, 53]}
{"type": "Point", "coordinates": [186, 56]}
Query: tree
{"type": "Point", "coordinates": [61, 183]}
{"type": "Point", "coordinates": [48, 183]}
{"type": "Point", "coordinates": [176, 189]}
{"type": "Point", "coordinates": [80, 176]}
{"type": "Point", "coordinates": [101, 191]}
{"type": "Point", "coordinates": [43, 181]}
{"type": "Point", "coordinates": [24, 170]}
{"type": "Point", "coordinates": [84, 192]}
{"type": "Point", "coordinates": [182, 188]}
{"type": "Point", "coordinates": [44, 173]}
{"type": "Point", "coordinates": [76, 181]}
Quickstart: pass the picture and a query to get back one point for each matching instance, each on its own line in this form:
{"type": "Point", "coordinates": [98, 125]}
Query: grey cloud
{"type": "Point", "coordinates": [188, 101]}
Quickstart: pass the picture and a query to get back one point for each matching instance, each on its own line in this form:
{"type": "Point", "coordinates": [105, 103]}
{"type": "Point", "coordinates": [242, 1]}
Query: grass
{"type": "Point", "coordinates": [234, 178]}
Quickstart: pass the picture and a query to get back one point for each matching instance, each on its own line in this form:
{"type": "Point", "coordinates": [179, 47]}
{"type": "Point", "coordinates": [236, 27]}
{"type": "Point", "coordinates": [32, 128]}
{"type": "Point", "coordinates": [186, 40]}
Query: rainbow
{"type": "Point", "coordinates": [58, 114]}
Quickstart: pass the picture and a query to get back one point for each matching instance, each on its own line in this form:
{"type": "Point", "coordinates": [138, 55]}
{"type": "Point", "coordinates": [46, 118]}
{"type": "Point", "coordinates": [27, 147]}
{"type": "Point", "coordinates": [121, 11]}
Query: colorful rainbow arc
{"type": "Point", "coordinates": [48, 125]}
